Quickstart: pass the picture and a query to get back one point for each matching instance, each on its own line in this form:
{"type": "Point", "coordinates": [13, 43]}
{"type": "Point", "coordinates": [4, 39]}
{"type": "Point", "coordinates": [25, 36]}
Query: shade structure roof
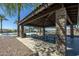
{"type": "Point", "coordinates": [44, 15]}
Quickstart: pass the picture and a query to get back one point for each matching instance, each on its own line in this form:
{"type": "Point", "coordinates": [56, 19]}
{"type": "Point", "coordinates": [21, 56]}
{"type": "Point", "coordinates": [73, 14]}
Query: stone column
{"type": "Point", "coordinates": [22, 31]}
{"type": "Point", "coordinates": [61, 31]}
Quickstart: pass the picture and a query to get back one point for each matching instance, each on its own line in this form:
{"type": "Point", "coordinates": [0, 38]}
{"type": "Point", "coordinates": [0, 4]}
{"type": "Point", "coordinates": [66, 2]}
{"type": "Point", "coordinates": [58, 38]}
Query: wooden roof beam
{"type": "Point", "coordinates": [68, 18]}
{"type": "Point", "coordinates": [39, 17]}
{"type": "Point", "coordinates": [44, 13]}
{"type": "Point", "coordinates": [72, 13]}
{"type": "Point", "coordinates": [72, 6]}
{"type": "Point", "coordinates": [39, 9]}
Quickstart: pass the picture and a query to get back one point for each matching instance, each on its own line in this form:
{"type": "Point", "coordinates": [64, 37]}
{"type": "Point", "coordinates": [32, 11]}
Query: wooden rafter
{"type": "Point", "coordinates": [72, 6]}
{"type": "Point", "coordinates": [68, 18]}
{"type": "Point", "coordinates": [43, 13]}
{"type": "Point", "coordinates": [47, 15]}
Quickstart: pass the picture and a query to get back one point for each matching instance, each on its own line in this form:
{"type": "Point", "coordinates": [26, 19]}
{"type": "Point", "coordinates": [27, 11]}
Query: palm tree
{"type": "Point", "coordinates": [2, 17]}
{"type": "Point", "coordinates": [11, 9]}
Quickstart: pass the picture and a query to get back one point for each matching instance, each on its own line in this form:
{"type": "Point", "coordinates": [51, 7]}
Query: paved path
{"type": "Point", "coordinates": [28, 42]}
{"type": "Point", "coordinates": [10, 46]}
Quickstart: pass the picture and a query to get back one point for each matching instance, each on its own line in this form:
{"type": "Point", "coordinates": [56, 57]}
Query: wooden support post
{"type": "Point", "coordinates": [39, 30]}
{"type": "Point", "coordinates": [77, 19]}
{"type": "Point", "coordinates": [78, 15]}
{"type": "Point", "coordinates": [22, 31]}
{"type": "Point", "coordinates": [61, 31]}
{"type": "Point", "coordinates": [1, 27]}
{"type": "Point", "coordinates": [29, 30]}
{"type": "Point", "coordinates": [71, 30]}
{"type": "Point", "coordinates": [43, 31]}
{"type": "Point", "coordinates": [18, 30]}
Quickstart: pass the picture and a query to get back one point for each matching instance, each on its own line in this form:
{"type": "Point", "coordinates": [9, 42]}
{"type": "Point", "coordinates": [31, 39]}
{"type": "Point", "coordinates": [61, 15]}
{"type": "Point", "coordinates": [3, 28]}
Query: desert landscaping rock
{"type": "Point", "coordinates": [45, 48]}
{"type": "Point", "coordinates": [39, 47]}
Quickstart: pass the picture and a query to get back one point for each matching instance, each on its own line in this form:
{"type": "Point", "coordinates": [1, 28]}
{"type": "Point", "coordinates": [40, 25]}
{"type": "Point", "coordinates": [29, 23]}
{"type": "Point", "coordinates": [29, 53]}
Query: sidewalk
{"type": "Point", "coordinates": [10, 46]}
{"type": "Point", "coordinates": [27, 42]}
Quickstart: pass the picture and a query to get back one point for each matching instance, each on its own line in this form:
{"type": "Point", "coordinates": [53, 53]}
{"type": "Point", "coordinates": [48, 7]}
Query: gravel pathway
{"type": "Point", "coordinates": [10, 46]}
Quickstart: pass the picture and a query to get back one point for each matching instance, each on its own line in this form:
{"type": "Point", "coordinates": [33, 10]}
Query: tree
{"type": "Point", "coordinates": [12, 8]}
{"type": "Point", "coordinates": [2, 17]}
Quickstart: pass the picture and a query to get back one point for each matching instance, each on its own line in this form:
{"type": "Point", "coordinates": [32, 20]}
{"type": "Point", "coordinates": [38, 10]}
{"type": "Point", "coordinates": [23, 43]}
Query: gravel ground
{"type": "Point", "coordinates": [10, 46]}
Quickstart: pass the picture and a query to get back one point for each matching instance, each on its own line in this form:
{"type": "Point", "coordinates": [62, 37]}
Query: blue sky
{"type": "Point", "coordinates": [10, 23]}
